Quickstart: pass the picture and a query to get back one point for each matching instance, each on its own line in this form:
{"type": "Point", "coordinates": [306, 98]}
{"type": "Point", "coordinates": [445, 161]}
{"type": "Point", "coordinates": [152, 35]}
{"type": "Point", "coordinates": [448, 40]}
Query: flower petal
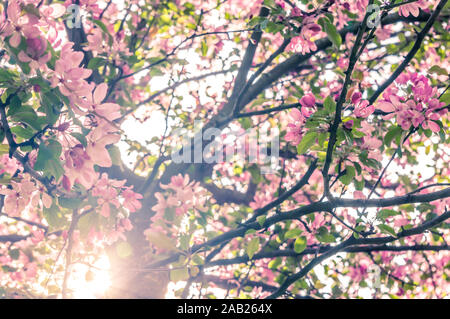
{"type": "Point", "coordinates": [100, 93]}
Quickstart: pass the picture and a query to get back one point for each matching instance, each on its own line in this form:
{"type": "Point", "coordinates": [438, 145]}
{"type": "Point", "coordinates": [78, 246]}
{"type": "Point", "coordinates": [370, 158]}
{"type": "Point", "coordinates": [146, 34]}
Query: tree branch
{"type": "Point", "coordinates": [411, 54]}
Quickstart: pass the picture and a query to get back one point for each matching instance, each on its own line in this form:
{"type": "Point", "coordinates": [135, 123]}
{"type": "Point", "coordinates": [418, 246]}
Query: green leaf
{"type": "Point", "coordinates": [31, 9]}
{"type": "Point", "coordinates": [387, 229]}
{"type": "Point", "coordinates": [273, 27]}
{"type": "Point", "coordinates": [25, 133]}
{"type": "Point", "coordinates": [124, 249]}
{"type": "Point", "coordinates": [292, 233]}
{"type": "Point", "coordinates": [198, 260]}
{"type": "Point", "coordinates": [179, 274]}
{"type": "Point", "coordinates": [300, 244]}
{"type": "Point", "coordinates": [14, 105]}
{"type": "Point", "coordinates": [391, 134]}
{"type": "Point", "coordinates": [184, 241]}
{"type": "Point", "coordinates": [358, 167]}
{"type": "Point", "coordinates": [329, 104]}
{"type": "Point", "coordinates": [332, 33]}
{"type": "Point", "coordinates": [246, 123]}
{"type": "Point", "coordinates": [250, 231]}
{"type": "Point", "coordinates": [80, 137]}
{"type": "Point", "coordinates": [161, 241]}
{"type": "Point", "coordinates": [261, 220]}
{"type": "Point", "coordinates": [54, 168]}
{"type": "Point", "coordinates": [322, 138]}
{"type": "Point", "coordinates": [204, 48]}
{"type": "Point", "coordinates": [14, 253]}
{"type": "Point", "coordinates": [4, 149]}
{"type": "Point", "coordinates": [48, 159]}
{"type": "Point", "coordinates": [114, 153]}
{"type": "Point", "coordinates": [105, 30]}
{"type": "Point", "coordinates": [438, 70]}
{"type": "Point", "coordinates": [324, 236]}
{"type": "Point", "coordinates": [54, 217]}
{"type": "Point", "coordinates": [445, 97]}
{"type": "Point", "coordinates": [274, 263]}
{"type": "Point", "coordinates": [29, 118]}
{"type": "Point", "coordinates": [255, 171]}
{"type": "Point", "coordinates": [270, 3]}
{"type": "Point", "coordinates": [386, 213]}
{"type": "Point", "coordinates": [349, 175]}
{"type": "Point", "coordinates": [87, 222]}
{"type": "Point", "coordinates": [252, 247]}
{"type": "Point", "coordinates": [307, 141]}
{"type": "Point", "coordinates": [71, 203]}
{"type": "Point", "coordinates": [357, 134]}
{"type": "Point", "coordinates": [359, 185]}
{"type": "Point", "coordinates": [44, 155]}
{"type": "Point", "coordinates": [6, 75]}
{"type": "Point", "coordinates": [95, 63]}
{"type": "Point", "coordinates": [51, 106]}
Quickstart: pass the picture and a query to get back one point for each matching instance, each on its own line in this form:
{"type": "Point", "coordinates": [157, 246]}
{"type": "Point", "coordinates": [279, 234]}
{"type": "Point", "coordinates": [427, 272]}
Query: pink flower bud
{"type": "Point", "coordinates": [348, 125]}
{"type": "Point", "coordinates": [314, 27]}
{"type": "Point", "coordinates": [35, 47]}
{"type": "Point", "coordinates": [308, 100]}
{"type": "Point", "coordinates": [66, 183]}
{"type": "Point", "coordinates": [356, 97]}
{"type": "Point", "coordinates": [63, 126]}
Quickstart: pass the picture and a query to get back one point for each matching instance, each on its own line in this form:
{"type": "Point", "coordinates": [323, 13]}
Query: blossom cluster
{"type": "Point", "coordinates": [412, 101]}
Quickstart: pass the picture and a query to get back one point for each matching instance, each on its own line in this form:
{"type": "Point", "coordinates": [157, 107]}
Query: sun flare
{"type": "Point", "coordinates": [90, 282]}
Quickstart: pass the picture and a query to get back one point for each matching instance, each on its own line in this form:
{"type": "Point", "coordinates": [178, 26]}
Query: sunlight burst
{"type": "Point", "coordinates": [91, 282]}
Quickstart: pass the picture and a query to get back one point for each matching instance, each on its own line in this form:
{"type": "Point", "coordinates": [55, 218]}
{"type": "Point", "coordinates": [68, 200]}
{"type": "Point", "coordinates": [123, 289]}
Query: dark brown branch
{"type": "Point", "coordinates": [322, 249]}
{"type": "Point", "coordinates": [337, 118]}
{"type": "Point", "coordinates": [319, 207]}
{"type": "Point", "coordinates": [224, 195]}
{"type": "Point", "coordinates": [12, 238]}
{"type": "Point", "coordinates": [267, 111]}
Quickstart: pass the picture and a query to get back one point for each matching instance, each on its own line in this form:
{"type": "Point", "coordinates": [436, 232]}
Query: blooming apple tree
{"type": "Point", "coordinates": [97, 96]}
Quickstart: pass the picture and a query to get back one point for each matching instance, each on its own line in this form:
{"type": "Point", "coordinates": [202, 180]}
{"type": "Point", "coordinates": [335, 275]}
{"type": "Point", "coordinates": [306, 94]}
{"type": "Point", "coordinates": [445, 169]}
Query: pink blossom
{"type": "Point", "coordinates": [19, 24]}
{"type": "Point", "coordinates": [79, 167]}
{"type": "Point", "coordinates": [131, 200]}
{"type": "Point", "coordinates": [359, 195]}
{"type": "Point", "coordinates": [95, 41]}
{"type": "Point", "coordinates": [371, 143]}
{"type": "Point", "coordinates": [37, 236]}
{"type": "Point", "coordinates": [96, 149]}
{"type": "Point", "coordinates": [294, 130]}
{"type": "Point", "coordinates": [68, 76]}
{"type": "Point", "coordinates": [17, 197]}
{"type": "Point", "coordinates": [413, 111]}
{"type": "Point", "coordinates": [304, 43]}
{"type": "Point", "coordinates": [412, 8]}
{"type": "Point", "coordinates": [162, 204]}
{"type": "Point", "coordinates": [35, 53]}
{"type": "Point", "coordinates": [30, 270]}
{"type": "Point", "coordinates": [363, 109]}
